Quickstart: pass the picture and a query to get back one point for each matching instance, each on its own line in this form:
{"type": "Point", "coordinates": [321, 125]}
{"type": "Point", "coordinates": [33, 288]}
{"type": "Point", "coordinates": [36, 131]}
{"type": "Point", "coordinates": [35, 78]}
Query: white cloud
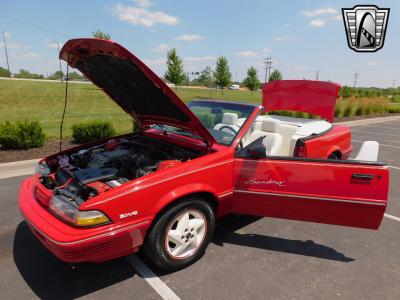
{"type": "Point", "coordinates": [7, 34]}
{"type": "Point", "coordinates": [143, 3]}
{"type": "Point", "coordinates": [372, 63]}
{"type": "Point", "coordinates": [162, 48]}
{"type": "Point", "coordinates": [141, 16]}
{"type": "Point", "coordinates": [283, 38]}
{"type": "Point", "coordinates": [15, 46]}
{"type": "Point", "coordinates": [189, 37]}
{"type": "Point", "coordinates": [337, 18]}
{"type": "Point", "coordinates": [267, 50]}
{"type": "Point", "coordinates": [320, 12]}
{"type": "Point", "coordinates": [200, 58]}
{"type": "Point", "coordinates": [155, 62]}
{"type": "Point", "coordinates": [317, 23]}
{"type": "Point", "coordinates": [247, 53]}
{"type": "Point", "coordinates": [31, 55]}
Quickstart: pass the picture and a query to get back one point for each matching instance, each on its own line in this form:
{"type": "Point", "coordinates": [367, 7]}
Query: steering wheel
{"type": "Point", "coordinates": [227, 127]}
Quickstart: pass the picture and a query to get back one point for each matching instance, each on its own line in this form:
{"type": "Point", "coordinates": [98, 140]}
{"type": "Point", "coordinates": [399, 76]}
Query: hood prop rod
{"type": "Point", "coordinates": [65, 103]}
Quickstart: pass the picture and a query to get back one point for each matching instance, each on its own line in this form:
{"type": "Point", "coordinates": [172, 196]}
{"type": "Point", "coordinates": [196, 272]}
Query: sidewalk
{"type": "Point", "coordinates": [18, 168]}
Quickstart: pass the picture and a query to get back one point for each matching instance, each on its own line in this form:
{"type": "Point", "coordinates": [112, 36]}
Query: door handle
{"type": "Point", "coordinates": [363, 176]}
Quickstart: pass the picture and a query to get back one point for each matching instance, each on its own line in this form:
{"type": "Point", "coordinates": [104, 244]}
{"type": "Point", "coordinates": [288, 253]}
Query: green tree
{"type": "Point", "coordinates": [251, 81]}
{"type": "Point", "coordinates": [222, 74]}
{"type": "Point", "coordinates": [26, 74]}
{"type": "Point", "coordinates": [98, 34]}
{"type": "Point", "coordinates": [275, 75]}
{"type": "Point", "coordinates": [175, 73]}
{"type": "Point", "coordinates": [345, 92]}
{"type": "Point", "coordinates": [56, 75]}
{"type": "Point", "coordinates": [205, 77]}
{"type": "Point", "coordinates": [75, 76]}
{"type": "Point", "coordinates": [4, 72]}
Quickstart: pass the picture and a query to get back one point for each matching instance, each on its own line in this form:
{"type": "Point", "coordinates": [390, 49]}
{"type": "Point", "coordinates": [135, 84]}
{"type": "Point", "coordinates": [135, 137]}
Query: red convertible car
{"type": "Point", "coordinates": [163, 187]}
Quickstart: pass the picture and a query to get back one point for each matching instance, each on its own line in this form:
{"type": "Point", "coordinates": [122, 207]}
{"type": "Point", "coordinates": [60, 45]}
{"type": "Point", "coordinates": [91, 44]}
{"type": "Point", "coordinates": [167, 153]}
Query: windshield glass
{"type": "Point", "coordinates": [223, 120]}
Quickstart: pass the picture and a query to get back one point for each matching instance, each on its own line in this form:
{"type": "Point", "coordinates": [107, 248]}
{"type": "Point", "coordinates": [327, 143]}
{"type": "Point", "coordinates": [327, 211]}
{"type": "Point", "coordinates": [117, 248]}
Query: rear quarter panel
{"type": "Point", "coordinates": [338, 138]}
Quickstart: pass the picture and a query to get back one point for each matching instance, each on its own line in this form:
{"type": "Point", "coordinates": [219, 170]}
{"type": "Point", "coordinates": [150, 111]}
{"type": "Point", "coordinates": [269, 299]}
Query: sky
{"type": "Point", "coordinates": [300, 36]}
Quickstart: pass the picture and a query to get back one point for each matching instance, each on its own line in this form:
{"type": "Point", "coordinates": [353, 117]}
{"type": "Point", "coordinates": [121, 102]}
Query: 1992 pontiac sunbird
{"type": "Point", "coordinates": [163, 187]}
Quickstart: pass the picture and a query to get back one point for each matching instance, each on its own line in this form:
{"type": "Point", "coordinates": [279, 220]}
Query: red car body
{"type": "Point", "coordinates": [339, 192]}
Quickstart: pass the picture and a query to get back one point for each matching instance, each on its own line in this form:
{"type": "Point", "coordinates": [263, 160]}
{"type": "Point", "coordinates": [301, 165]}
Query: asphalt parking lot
{"type": "Point", "coordinates": [254, 258]}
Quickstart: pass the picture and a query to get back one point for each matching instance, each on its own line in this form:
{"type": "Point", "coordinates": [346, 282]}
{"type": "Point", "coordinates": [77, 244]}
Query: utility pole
{"type": "Point", "coordinates": [355, 78]}
{"type": "Point", "coordinates": [317, 74]}
{"type": "Point", "coordinates": [5, 48]}
{"type": "Point", "coordinates": [394, 81]}
{"type": "Point", "coordinates": [268, 67]}
{"type": "Point", "coordinates": [61, 72]}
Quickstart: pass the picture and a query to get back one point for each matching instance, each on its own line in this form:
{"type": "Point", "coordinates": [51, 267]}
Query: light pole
{"type": "Point", "coordinates": [5, 48]}
{"type": "Point", "coordinates": [59, 59]}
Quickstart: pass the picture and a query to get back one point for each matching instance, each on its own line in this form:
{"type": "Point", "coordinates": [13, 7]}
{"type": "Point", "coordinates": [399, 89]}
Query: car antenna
{"type": "Point", "coordinates": [65, 103]}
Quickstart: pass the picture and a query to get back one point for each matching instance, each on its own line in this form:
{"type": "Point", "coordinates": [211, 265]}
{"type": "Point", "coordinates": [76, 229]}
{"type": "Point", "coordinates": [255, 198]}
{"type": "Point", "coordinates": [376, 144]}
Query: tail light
{"type": "Point", "coordinates": [300, 149]}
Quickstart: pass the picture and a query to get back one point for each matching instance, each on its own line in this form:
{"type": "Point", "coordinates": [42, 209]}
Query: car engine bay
{"type": "Point", "coordinates": [95, 170]}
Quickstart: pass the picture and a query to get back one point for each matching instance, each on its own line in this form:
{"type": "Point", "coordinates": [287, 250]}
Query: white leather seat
{"type": "Point", "coordinates": [272, 141]}
{"type": "Point", "coordinates": [229, 120]}
{"type": "Point", "coordinates": [286, 131]}
{"type": "Point", "coordinates": [368, 152]}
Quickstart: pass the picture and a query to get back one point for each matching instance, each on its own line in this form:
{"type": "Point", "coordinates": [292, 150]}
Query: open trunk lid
{"type": "Point", "coordinates": [131, 84]}
{"type": "Point", "coordinates": [314, 97]}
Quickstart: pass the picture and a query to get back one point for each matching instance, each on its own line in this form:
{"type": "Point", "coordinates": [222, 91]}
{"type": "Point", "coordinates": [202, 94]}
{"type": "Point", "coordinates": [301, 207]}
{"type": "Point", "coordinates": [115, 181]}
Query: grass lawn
{"type": "Point", "coordinates": [44, 101]}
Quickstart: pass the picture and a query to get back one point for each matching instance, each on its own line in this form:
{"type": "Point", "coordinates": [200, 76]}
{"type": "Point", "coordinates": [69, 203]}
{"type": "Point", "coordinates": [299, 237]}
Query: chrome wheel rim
{"type": "Point", "coordinates": [185, 234]}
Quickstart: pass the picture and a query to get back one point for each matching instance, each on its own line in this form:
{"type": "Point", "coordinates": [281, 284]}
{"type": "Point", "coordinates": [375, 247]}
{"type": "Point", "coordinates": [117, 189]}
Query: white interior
{"type": "Point", "coordinates": [229, 120]}
{"type": "Point", "coordinates": [281, 134]}
{"type": "Point", "coordinates": [290, 130]}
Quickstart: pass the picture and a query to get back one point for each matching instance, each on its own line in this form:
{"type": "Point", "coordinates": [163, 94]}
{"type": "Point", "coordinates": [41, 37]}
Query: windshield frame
{"type": "Point", "coordinates": [206, 103]}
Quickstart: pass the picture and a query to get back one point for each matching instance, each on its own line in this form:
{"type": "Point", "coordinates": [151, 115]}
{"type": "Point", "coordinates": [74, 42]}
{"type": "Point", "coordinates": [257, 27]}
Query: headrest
{"type": "Point", "coordinates": [270, 125]}
{"type": "Point", "coordinates": [230, 118]}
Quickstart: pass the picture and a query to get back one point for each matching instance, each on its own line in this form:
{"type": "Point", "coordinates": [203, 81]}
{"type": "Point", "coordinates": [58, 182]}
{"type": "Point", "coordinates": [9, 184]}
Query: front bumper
{"type": "Point", "coordinates": [78, 244]}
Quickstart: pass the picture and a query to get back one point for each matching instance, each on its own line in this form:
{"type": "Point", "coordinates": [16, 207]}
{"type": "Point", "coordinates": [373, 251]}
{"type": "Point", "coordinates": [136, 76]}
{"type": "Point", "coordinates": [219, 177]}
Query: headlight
{"type": "Point", "coordinates": [69, 211]}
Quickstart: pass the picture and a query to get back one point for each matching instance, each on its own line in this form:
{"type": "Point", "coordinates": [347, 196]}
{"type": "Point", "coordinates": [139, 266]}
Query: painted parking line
{"type": "Point", "coordinates": [384, 145]}
{"type": "Point", "coordinates": [374, 132]}
{"type": "Point", "coordinates": [392, 217]}
{"type": "Point", "coordinates": [152, 279]}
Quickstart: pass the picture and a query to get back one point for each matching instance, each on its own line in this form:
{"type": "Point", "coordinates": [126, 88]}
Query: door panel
{"type": "Point", "coordinates": [324, 192]}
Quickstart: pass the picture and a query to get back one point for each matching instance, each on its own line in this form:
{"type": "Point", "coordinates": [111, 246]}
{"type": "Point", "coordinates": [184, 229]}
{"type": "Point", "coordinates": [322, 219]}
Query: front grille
{"type": "Point", "coordinates": [87, 251]}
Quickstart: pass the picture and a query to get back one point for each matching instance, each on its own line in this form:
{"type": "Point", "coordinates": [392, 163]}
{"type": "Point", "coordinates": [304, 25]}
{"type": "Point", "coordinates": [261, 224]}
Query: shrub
{"type": "Point", "coordinates": [92, 130]}
{"type": "Point", "coordinates": [347, 112]}
{"type": "Point", "coordinates": [393, 109]}
{"type": "Point", "coordinates": [21, 135]}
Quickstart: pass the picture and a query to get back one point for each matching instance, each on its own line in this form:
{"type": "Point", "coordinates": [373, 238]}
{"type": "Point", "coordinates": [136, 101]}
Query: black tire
{"type": "Point", "coordinates": [334, 155]}
{"type": "Point", "coordinates": [154, 245]}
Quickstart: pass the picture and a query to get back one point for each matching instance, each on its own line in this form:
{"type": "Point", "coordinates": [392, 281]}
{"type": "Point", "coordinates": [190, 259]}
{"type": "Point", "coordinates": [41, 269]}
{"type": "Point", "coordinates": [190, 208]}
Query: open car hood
{"type": "Point", "coordinates": [131, 84]}
{"type": "Point", "coordinates": [314, 97]}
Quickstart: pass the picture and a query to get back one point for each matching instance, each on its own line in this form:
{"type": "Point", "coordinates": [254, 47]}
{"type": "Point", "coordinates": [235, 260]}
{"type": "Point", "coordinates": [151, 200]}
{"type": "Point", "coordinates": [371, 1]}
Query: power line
{"type": "Point", "coordinates": [268, 66]}
{"type": "Point", "coordinates": [30, 25]}
{"type": "Point", "coordinates": [5, 49]}
{"type": "Point", "coordinates": [355, 78]}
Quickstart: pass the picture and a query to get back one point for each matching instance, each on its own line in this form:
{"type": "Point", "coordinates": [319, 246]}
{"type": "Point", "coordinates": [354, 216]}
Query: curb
{"type": "Point", "coordinates": [369, 121]}
{"type": "Point", "coordinates": [17, 168]}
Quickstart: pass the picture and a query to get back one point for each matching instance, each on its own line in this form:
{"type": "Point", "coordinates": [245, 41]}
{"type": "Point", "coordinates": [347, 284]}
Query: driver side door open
{"type": "Point", "coordinates": [324, 191]}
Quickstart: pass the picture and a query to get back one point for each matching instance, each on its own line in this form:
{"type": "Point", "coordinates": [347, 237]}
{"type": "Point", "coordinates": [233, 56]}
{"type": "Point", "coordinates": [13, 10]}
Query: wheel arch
{"type": "Point", "coordinates": [182, 194]}
{"type": "Point", "coordinates": [334, 150]}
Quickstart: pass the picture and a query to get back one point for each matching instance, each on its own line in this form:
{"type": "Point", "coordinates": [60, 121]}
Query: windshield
{"type": "Point", "coordinates": [222, 119]}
